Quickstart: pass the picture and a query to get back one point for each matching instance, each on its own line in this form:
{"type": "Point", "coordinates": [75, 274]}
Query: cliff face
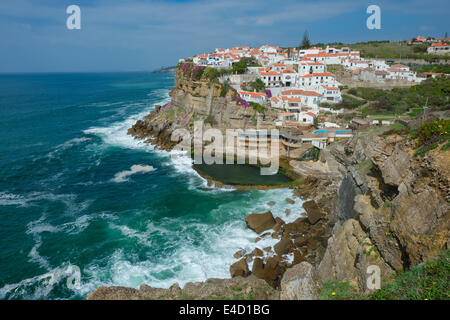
{"type": "Point", "coordinates": [191, 100]}
{"type": "Point", "coordinates": [392, 210]}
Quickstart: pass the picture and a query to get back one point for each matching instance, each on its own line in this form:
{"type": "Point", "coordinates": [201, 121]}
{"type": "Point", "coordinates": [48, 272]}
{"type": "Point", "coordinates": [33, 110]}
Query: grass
{"type": "Point", "coordinates": [430, 134]}
{"type": "Point", "coordinates": [434, 93]}
{"type": "Point", "coordinates": [428, 281]}
{"type": "Point", "coordinates": [348, 102]}
{"type": "Point", "coordinates": [392, 50]}
{"type": "Point", "coordinates": [365, 166]}
{"type": "Point", "coordinates": [335, 290]}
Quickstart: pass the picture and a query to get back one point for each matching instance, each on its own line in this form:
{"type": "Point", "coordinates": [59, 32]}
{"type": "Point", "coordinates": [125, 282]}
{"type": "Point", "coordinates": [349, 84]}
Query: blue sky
{"type": "Point", "coordinates": [137, 35]}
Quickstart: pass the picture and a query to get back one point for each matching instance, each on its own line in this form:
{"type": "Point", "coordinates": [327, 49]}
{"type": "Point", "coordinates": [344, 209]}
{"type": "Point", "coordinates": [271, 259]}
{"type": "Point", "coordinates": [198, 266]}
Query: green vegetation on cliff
{"type": "Point", "coordinates": [430, 134]}
{"type": "Point", "coordinates": [428, 281]}
{"type": "Point", "coordinates": [434, 93]}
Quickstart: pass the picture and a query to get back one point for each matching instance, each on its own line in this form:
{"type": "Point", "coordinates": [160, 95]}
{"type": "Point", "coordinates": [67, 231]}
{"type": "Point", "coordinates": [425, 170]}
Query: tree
{"type": "Point", "coordinates": [240, 67]}
{"type": "Point", "coordinates": [305, 42]}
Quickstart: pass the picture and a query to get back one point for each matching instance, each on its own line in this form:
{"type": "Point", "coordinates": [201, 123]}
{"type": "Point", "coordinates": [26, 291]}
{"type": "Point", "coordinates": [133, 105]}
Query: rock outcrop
{"type": "Point", "coordinates": [235, 288]}
{"type": "Point", "coordinates": [395, 215]}
{"type": "Point", "coordinates": [260, 222]}
{"type": "Point", "coordinates": [299, 283]}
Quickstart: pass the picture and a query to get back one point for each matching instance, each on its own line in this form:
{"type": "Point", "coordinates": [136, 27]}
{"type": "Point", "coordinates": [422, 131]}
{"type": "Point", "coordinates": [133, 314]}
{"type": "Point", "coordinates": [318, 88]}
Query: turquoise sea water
{"type": "Point", "coordinates": [76, 190]}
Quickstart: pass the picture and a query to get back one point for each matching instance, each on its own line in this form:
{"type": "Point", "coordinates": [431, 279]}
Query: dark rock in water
{"type": "Point", "coordinates": [283, 246]}
{"type": "Point", "coordinates": [271, 203]}
{"type": "Point", "coordinates": [287, 212]}
{"type": "Point", "coordinates": [297, 227]}
{"type": "Point", "coordinates": [265, 234]}
{"type": "Point", "coordinates": [239, 254]}
{"type": "Point", "coordinates": [290, 201]}
{"type": "Point", "coordinates": [260, 222]}
{"type": "Point", "coordinates": [279, 224]}
{"type": "Point", "coordinates": [258, 252]}
{"type": "Point", "coordinates": [239, 268]}
{"type": "Point", "coordinates": [313, 211]}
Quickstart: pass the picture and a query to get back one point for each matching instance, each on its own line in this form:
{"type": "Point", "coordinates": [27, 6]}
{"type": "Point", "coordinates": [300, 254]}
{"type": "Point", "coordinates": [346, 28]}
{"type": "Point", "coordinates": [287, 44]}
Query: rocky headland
{"type": "Point", "coordinates": [367, 201]}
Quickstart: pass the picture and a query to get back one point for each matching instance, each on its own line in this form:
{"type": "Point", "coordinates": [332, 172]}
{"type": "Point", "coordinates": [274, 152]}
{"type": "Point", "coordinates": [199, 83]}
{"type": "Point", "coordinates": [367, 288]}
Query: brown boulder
{"type": "Point", "coordinates": [290, 201]}
{"type": "Point", "coordinates": [271, 271]}
{"type": "Point", "coordinates": [239, 254]}
{"type": "Point", "coordinates": [297, 227]}
{"type": "Point", "coordinates": [260, 222]}
{"type": "Point", "coordinates": [283, 246]}
{"type": "Point", "coordinates": [313, 211]}
{"type": "Point", "coordinates": [239, 269]}
{"type": "Point", "coordinates": [258, 252]}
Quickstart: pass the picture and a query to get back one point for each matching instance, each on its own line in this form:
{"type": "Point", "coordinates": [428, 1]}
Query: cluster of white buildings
{"type": "Point", "coordinates": [379, 71]}
{"type": "Point", "coordinates": [298, 80]}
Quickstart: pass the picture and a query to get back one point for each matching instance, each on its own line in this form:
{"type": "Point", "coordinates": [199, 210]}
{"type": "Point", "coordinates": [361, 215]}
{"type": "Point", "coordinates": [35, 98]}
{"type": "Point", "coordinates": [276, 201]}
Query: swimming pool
{"type": "Point", "coordinates": [337, 131]}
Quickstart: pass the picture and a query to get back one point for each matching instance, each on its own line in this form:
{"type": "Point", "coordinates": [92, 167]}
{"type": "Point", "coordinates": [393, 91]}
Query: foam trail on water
{"type": "Point", "coordinates": [137, 168]}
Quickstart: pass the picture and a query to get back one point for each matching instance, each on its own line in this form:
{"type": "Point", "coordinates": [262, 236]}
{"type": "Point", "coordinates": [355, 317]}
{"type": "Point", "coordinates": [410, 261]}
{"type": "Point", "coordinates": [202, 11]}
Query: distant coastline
{"type": "Point", "coordinates": [170, 69]}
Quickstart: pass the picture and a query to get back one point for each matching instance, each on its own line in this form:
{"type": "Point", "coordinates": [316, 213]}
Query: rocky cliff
{"type": "Point", "coordinates": [391, 210]}
{"type": "Point", "coordinates": [194, 98]}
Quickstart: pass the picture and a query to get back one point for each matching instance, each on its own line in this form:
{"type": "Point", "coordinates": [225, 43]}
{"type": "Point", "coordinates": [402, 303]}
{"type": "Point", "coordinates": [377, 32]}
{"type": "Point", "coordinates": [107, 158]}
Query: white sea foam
{"type": "Point", "coordinates": [137, 168]}
{"type": "Point", "coordinates": [66, 145]}
{"type": "Point", "coordinates": [38, 287]}
{"type": "Point", "coordinates": [197, 250]}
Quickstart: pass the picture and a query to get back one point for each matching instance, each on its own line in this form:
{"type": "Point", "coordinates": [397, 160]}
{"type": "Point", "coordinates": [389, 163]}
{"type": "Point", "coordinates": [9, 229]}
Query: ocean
{"type": "Point", "coordinates": [77, 192]}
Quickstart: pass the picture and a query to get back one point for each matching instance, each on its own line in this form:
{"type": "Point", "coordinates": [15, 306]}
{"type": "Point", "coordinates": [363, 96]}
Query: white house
{"type": "Point", "coordinates": [306, 118]}
{"type": "Point", "coordinates": [310, 99]}
{"type": "Point", "coordinates": [253, 96]}
{"type": "Point", "coordinates": [439, 48]}
{"type": "Point", "coordinates": [330, 94]}
{"type": "Point", "coordinates": [271, 78]}
{"type": "Point", "coordinates": [314, 79]}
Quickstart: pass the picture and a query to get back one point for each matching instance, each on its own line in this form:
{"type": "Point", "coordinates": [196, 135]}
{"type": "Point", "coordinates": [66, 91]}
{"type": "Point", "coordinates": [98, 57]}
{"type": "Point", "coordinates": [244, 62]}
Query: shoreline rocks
{"type": "Point", "coordinates": [260, 222]}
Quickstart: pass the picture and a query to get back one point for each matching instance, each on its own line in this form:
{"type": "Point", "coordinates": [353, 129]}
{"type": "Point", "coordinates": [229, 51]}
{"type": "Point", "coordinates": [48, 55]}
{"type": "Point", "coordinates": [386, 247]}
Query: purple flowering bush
{"type": "Point", "coordinates": [197, 72]}
{"type": "Point", "coordinates": [269, 94]}
{"type": "Point", "coordinates": [242, 102]}
{"type": "Point", "coordinates": [185, 67]}
{"type": "Point", "coordinates": [168, 104]}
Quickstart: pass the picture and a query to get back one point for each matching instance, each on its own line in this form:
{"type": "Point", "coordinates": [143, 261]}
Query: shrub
{"type": "Point", "coordinates": [241, 66]}
{"type": "Point", "coordinates": [429, 131]}
{"type": "Point", "coordinates": [428, 281]}
{"type": "Point", "coordinates": [241, 101]}
{"type": "Point", "coordinates": [257, 107]}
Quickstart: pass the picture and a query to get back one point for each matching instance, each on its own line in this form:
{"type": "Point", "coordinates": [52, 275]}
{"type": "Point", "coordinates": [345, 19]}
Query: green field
{"type": "Point", "coordinates": [391, 50]}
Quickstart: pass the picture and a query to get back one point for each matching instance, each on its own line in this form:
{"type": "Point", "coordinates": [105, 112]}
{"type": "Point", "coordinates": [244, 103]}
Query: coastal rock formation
{"type": "Point", "coordinates": [235, 288]}
{"type": "Point", "coordinates": [260, 222]}
{"type": "Point", "coordinates": [392, 210]}
{"type": "Point", "coordinates": [191, 100]}
{"type": "Point", "coordinates": [299, 283]}
{"type": "Point", "coordinates": [313, 211]}
{"type": "Point", "coordinates": [370, 202]}
{"type": "Point", "coordinates": [239, 269]}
